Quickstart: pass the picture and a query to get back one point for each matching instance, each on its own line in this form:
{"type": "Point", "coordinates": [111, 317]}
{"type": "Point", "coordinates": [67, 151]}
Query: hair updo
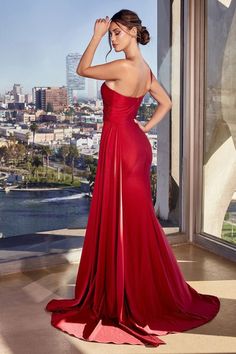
{"type": "Point", "coordinates": [144, 35]}
{"type": "Point", "coordinates": [130, 19]}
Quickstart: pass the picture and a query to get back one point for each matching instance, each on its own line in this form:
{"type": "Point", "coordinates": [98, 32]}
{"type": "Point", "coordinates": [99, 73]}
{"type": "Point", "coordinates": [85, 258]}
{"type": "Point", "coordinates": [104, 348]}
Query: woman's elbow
{"type": "Point", "coordinates": [168, 105]}
{"type": "Point", "coordinates": [79, 72]}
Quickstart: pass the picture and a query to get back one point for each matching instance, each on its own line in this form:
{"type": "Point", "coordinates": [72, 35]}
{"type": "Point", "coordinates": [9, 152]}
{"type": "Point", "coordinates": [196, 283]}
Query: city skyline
{"type": "Point", "coordinates": [37, 37]}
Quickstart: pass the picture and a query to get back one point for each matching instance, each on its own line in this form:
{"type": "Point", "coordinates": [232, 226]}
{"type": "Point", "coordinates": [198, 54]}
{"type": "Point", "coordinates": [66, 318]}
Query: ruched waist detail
{"type": "Point", "coordinates": [119, 123]}
{"type": "Point", "coordinates": [118, 120]}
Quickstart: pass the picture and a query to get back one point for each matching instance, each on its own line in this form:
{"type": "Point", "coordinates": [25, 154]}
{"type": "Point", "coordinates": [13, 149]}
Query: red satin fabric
{"type": "Point", "coordinates": [129, 287]}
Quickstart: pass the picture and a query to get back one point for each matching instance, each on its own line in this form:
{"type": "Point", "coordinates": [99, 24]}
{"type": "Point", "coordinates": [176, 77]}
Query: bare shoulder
{"type": "Point", "coordinates": [123, 63]}
{"type": "Point", "coordinates": [113, 70]}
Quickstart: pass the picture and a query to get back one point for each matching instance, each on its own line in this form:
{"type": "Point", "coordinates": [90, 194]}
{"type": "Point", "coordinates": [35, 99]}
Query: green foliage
{"type": "Point", "coordinates": [64, 152]}
{"type": "Point", "coordinates": [229, 231]}
{"type": "Point", "coordinates": [34, 128]}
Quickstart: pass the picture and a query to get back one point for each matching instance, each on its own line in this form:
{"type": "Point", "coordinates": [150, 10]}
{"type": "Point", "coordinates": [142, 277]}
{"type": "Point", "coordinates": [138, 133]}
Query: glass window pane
{"type": "Point", "coordinates": [219, 170]}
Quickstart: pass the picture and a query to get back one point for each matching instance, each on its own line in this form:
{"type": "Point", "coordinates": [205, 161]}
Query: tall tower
{"type": "Point", "coordinates": [75, 83]}
{"type": "Point", "coordinates": [17, 92]}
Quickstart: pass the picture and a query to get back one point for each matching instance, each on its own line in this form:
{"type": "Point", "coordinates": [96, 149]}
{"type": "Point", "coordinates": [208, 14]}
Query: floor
{"type": "Point", "coordinates": [50, 248]}
{"type": "Point", "coordinates": [25, 326]}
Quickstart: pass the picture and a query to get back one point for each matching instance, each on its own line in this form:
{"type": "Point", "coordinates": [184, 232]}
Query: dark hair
{"type": "Point", "coordinates": [130, 19]}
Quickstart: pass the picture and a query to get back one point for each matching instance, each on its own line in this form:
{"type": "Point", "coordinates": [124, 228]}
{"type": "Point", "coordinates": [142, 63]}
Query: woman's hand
{"type": "Point", "coordinates": [142, 127]}
{"type": "Point", "coordinates": [101, 26]}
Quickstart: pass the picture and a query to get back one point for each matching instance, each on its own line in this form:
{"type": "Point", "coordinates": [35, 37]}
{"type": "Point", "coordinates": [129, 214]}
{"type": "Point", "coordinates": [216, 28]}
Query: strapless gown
{"type": "Point", "coordinates": [129, 287]}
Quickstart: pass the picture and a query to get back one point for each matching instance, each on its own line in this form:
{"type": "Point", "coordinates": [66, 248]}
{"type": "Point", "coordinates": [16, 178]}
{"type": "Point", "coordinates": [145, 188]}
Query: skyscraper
{"type": "Point", "coordinates": [55, 96]}
{"type": "Point", "coordinates": [75, 83]}
{"type": "Point", "coordinates": [17, 92]}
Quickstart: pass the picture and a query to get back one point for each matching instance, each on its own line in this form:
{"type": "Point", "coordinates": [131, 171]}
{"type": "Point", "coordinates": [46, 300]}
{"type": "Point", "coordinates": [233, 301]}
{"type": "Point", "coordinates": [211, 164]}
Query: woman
{"type": "Point", "coordinates": [129, 288]}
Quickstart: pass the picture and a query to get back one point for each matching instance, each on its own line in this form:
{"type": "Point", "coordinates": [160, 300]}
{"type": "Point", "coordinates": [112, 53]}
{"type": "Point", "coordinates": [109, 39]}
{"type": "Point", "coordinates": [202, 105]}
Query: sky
{"type": "Point", "coordinates": [36, 36]}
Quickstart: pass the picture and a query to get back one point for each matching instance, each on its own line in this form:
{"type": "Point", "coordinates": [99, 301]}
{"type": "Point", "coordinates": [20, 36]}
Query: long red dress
{"type": "Point", "coordinates": [129, 287]}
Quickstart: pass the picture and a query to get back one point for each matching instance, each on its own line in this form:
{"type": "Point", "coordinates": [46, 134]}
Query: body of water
{"type": "Point", "coordinates": [23, 212]}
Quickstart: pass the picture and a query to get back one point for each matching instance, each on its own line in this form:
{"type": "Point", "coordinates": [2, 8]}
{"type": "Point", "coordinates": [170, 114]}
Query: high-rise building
{"type": "Point", "coordinates": [17, 89]}
{"type": "Point", "coordinates": [17, 92]}
{"type": "Point", "coordinates": [28, 98]}
{"type": "Point", "coordinates": [50, 98]}
{"type": "Point", "coordinates": [75, 83]}
{"type": "Point", "coordinates": [56, 98]}
{"type": "Point", "coordinates": [38, 94]}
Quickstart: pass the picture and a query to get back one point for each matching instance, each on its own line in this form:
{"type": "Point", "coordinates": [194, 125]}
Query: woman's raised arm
{"type": "Point", "coordinates": [110, 71]}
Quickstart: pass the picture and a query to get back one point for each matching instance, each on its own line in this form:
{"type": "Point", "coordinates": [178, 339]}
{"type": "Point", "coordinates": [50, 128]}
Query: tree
{"type": "Point", "coordinates": [73, 154]}
{"type": "Point", "coordinates": [20, 152]}
{"type": "Point", "coordinates": [11, 148]}
{"type": "Point", "coordinates": [64, 152]}
{"type": "Point", "coordinates": [91, 168]}
{"type": "Point", "coordinates": [3, 153]}
{"type": "Point", "coordinates": [91, 177]}
{"type": "Point", "coordinates": [46, 151]}
{"type": "Point", "coordinates": [36, 163]}
{"type": "Point", "coordinates": [34, 128]}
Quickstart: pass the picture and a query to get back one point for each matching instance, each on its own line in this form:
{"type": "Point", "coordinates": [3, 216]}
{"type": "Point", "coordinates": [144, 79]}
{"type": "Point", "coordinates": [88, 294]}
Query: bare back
{"type": "Point", "coordinates": [136, 83]}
